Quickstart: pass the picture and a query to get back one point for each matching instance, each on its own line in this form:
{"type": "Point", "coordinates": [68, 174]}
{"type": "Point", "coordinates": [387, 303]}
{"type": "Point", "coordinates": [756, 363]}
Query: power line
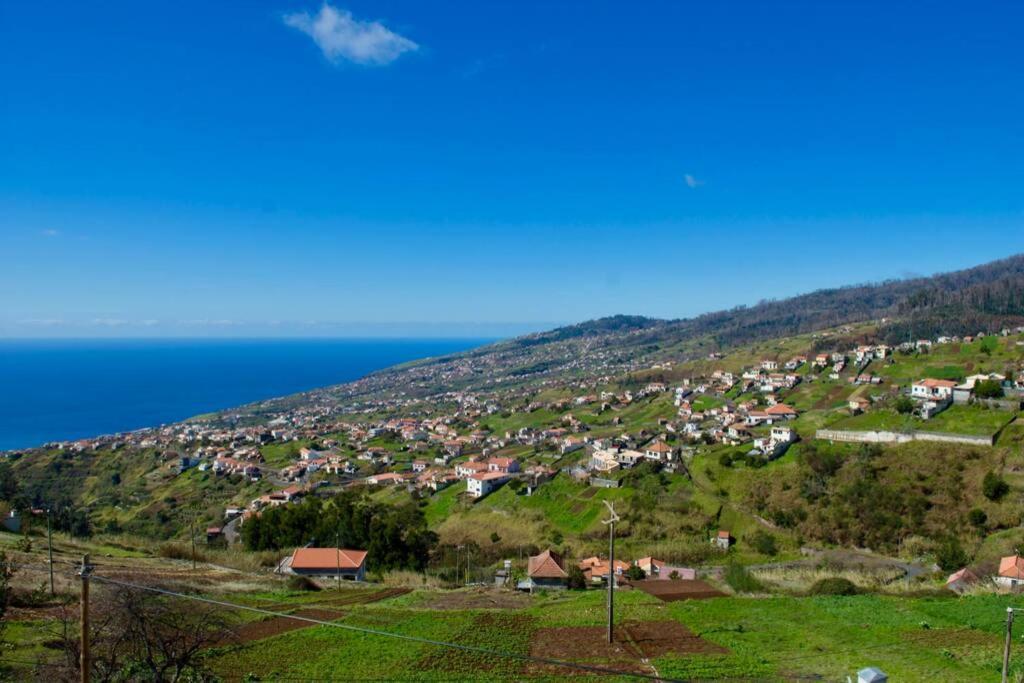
{"type": "Point", "coordinates": [415, 639]}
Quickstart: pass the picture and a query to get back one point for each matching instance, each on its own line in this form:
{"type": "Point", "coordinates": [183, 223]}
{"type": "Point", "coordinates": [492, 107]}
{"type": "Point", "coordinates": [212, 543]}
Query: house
{"type": "Point", "coordinates": [465, 470]}
{"type": "Point", "coordinates": [858, 405]}
{"type": "Point", "coordinates": [871, 674]}
{"type": "Point", "coordinates": [213, 533]}
{"type": "Point", "coordinates": [722, 540]}
{"type": "Point", "coordinates": [933, 389]}
{"type": "Point", "coordinates": [546, 570]}
{"type": "Point", "coordinates": [1011, 572]}
{"type": "Point", "coordinates": [659, 450]}
{"type": "Point", "coordinates": [419, 465]}
{"type": "Point", "coordinates": [506, 465]}
{"type": "Point", "coordinates": [482, 483]}
{"type": "Point", "coordinates": [348, 564]}
{"type": "Point", "coordinates": [960, 581]}
{"type": "Point", "coordinates": [781, 411]}
{"type": "Point", "coordinates": [387, 478]}
{"type": "Point", "coordinates": [657, 569]}
{"type": "Point", "coordinates": [595, 570]}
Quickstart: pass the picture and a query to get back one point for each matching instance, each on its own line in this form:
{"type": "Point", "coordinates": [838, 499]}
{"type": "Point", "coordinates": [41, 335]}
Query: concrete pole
{"type": "Point", "coordinates": [611, 581]}
{"type": "Point", "coordinates": [84, 663]}
{"type": "Point", "coordinates": [1006, 646]}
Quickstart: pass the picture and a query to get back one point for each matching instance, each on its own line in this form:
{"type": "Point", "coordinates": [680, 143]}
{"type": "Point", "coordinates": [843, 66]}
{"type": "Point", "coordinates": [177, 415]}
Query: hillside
{"type": "Point", "coordinates": [987, 297]}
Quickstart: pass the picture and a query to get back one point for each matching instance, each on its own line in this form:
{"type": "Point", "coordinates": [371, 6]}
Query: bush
{"type": "Point", "coordinates": [994, 487]}
{"type": "Point", "coordinates": [635, 573]}
{"type": "Point", "coordinates": [904, 405]}
{"type": "Point", "coordinates": [835, 585]}
{"type": "Point", "coordinates": [988, 388]}
{"type": "Point", "coordinates": [725, 460]}
{"type": "Point", "coordinates": [741, 581]}
{"type": "Point", "coordinates": [302, 583]}
{"type": "Point", "coordinates": [179, 551]}
{"type": "Point", "coordinates": [577, 581]}
{"type": "Point", "coordinates": [977, 517]}
{"type": "Point", "coordinates": [762, 542]}
{"type": "Point", "coordinates": [950, 556]}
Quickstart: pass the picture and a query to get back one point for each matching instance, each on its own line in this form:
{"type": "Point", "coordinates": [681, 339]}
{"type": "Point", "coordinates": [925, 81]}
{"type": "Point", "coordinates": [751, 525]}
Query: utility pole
{"type": "Point", "coordinates": [611, 568]}
{"type": "Point", "coordinates": [84, 664]}
{"type": "Point", "coordinates": [1006, 646]}
{"type": "Point", "coordinates": [49, 547]}
{"type": "Point", "coordinates": [192, 533]}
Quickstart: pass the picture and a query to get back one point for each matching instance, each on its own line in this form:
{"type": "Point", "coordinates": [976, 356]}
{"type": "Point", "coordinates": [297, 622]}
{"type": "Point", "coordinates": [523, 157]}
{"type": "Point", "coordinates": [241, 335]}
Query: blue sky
{"type": "Point", "coordinates": [292, 168]}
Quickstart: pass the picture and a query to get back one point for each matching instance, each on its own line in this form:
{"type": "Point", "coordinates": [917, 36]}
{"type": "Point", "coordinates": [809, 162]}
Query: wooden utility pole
{"type": "Point", "coordinates": [192, 533]}
{"type": "Point", "coordinates": [84, 663]}
{"type": "Point", "coordinates": [49, 547]}
{"type": "Point", "coordinates": [1006, 646]}
{"type": "Point", "coordinates": [611, 568]}
{"type": "Point", "coordinates": [337, 557]}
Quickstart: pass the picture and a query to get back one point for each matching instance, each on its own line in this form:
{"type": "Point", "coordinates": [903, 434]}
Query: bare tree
{"type": "Point", "coordinates": [136, 634]}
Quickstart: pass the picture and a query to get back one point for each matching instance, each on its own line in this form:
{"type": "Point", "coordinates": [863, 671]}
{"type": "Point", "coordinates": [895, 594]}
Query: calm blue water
{"type": "Point", "coordinates": [70, 389]}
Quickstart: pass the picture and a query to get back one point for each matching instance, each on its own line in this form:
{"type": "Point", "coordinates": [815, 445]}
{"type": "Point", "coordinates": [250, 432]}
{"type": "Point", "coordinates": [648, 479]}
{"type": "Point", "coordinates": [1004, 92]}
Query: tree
{"type": "Point", "coordinates": [977, 517]}
{"type": "Point", "coordinates": [6, 573]}
{"type": "Point", "coordinates": [136, 634]}
{"type": "Point", "coordinates": [762, 542]}
{"type": "Point", "coordinates": [994, 487]}
{"type": "Point", "coordinates": [988, 388]}
{"type": "Point", "coordinates": [635, 573]}
{"type": "Point", "coordinates": [577, 581]}
{"type": "Point", "coordinates": [904, 405]}
{"type": "Point", "coordinates": [495, 538]}
{"type": "Point", "coordinates": [949, 555]}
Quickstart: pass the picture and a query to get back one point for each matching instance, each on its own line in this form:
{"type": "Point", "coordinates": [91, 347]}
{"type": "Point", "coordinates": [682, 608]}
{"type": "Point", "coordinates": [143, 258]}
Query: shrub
{"type": "Point", "coordinates": [988, 388]}
{"type": "Point", "coordinates": [949, 555]}
{"type": "Point", "coordinates": [904, 405]}
{"type": "Point", "coordinates": [725, 460]}
{"type": "Point", "coordinates": [835, 585]}
{"type": "Point", "coordinates": [635, 573]}
{"type": "Point", "coordinates": [577, 581]}
{"type": "Point", "coordinates": [302, 583]}
{"type": "Point", "coordinates": [977, 517]}
{"type": "Point", "coordinates": [994, 487]}
{"type": "Point", "coordinates": [762, 542]}
{"type": "Point", "coordinates": [741, 581]}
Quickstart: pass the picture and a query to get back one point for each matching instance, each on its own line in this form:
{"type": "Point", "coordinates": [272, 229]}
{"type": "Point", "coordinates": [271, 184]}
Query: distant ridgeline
{"type": "Point", "coordinates": [987, 297]}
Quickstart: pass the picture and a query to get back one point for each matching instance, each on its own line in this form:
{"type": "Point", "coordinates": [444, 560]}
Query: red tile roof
{"type": "Point", "coordinates": [547, 565]}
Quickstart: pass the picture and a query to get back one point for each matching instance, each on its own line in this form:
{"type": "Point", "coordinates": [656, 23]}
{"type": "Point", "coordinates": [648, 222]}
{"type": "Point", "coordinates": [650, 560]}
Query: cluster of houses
{"type": "Point", "coordinates": [548, 569]}
{"type": "Point", "coordinates": [1010, 576]}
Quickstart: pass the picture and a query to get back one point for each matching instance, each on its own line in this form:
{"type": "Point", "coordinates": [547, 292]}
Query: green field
{"type": "Point", "coordinates": [765, 638]}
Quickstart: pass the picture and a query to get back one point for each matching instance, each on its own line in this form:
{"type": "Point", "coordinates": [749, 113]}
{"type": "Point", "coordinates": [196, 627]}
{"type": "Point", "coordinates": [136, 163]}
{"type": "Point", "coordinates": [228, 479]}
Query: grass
{"type": "Point", "coordinates": [767, 638]}
{"type": "Point", "coordinates": [970, 420]}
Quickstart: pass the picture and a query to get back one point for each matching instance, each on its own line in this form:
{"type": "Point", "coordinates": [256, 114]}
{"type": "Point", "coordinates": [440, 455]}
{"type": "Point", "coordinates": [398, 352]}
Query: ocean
{"type": "Point", "coordinates": [53, 390]}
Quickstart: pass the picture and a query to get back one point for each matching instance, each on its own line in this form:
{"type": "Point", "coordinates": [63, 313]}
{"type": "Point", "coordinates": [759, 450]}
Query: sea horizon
{"type": "Point", "coordinates": [61, 389]}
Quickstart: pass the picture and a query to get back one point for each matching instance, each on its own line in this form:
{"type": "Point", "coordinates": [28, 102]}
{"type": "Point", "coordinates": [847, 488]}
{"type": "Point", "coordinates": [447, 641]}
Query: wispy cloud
{"type": "Point", "coordinates": [50, 233]}
{"type": "Point", "coordinates": [692, 182]}
{"type": "Point", "coordinates": [342, 37]}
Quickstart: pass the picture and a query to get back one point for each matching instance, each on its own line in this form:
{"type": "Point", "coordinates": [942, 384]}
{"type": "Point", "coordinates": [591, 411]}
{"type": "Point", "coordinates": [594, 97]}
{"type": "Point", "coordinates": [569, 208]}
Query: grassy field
{"type": "Point", "coordinates": [762, 638]}
{"type": "Point", "coordinates": [970, 420]}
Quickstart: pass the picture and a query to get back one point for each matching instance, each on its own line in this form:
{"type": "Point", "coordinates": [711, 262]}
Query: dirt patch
{"type": "Point", "coordinates": [277, 625]}
{"type": "Point", "coordinates": [828, 399]}
{"type": "Point", "coordinates": [49, 612]}
{"type": "Point", "coordinates": [578, 507]}
{"type": "Point", "coordinates": [671, 591]}
{"type": "Point", "coordinates": [478, 599]}
{"type": "Point", "coordinates": [634, 643]}
{"type": "Point", "coordinates": [589, 493]}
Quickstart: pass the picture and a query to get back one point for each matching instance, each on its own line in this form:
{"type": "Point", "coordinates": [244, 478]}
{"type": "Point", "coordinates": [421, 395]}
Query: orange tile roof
{"type": "Point", "coordinates": [1012, 567]}
{"type": "Point", "coordinates": [327, 558]}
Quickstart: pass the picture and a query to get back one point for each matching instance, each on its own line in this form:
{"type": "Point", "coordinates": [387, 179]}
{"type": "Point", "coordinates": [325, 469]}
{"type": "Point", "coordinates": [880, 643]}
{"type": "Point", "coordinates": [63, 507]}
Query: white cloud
{"type": "Point", "coordinates": [50, 233]}
{"type": "Point", "coordinates": [340, 36]}
{"type": "Point", "coordinates": [692, 182]}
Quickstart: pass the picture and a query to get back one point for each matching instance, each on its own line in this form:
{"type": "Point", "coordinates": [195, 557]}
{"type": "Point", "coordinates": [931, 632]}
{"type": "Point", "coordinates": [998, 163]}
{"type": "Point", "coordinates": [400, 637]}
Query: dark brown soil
{"type": "Point", "coordinates": [671, 591]}
{"type": "Point", "coordinates": [274, 626]}
{"type": "Point", "coordinates": [634, 643]}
